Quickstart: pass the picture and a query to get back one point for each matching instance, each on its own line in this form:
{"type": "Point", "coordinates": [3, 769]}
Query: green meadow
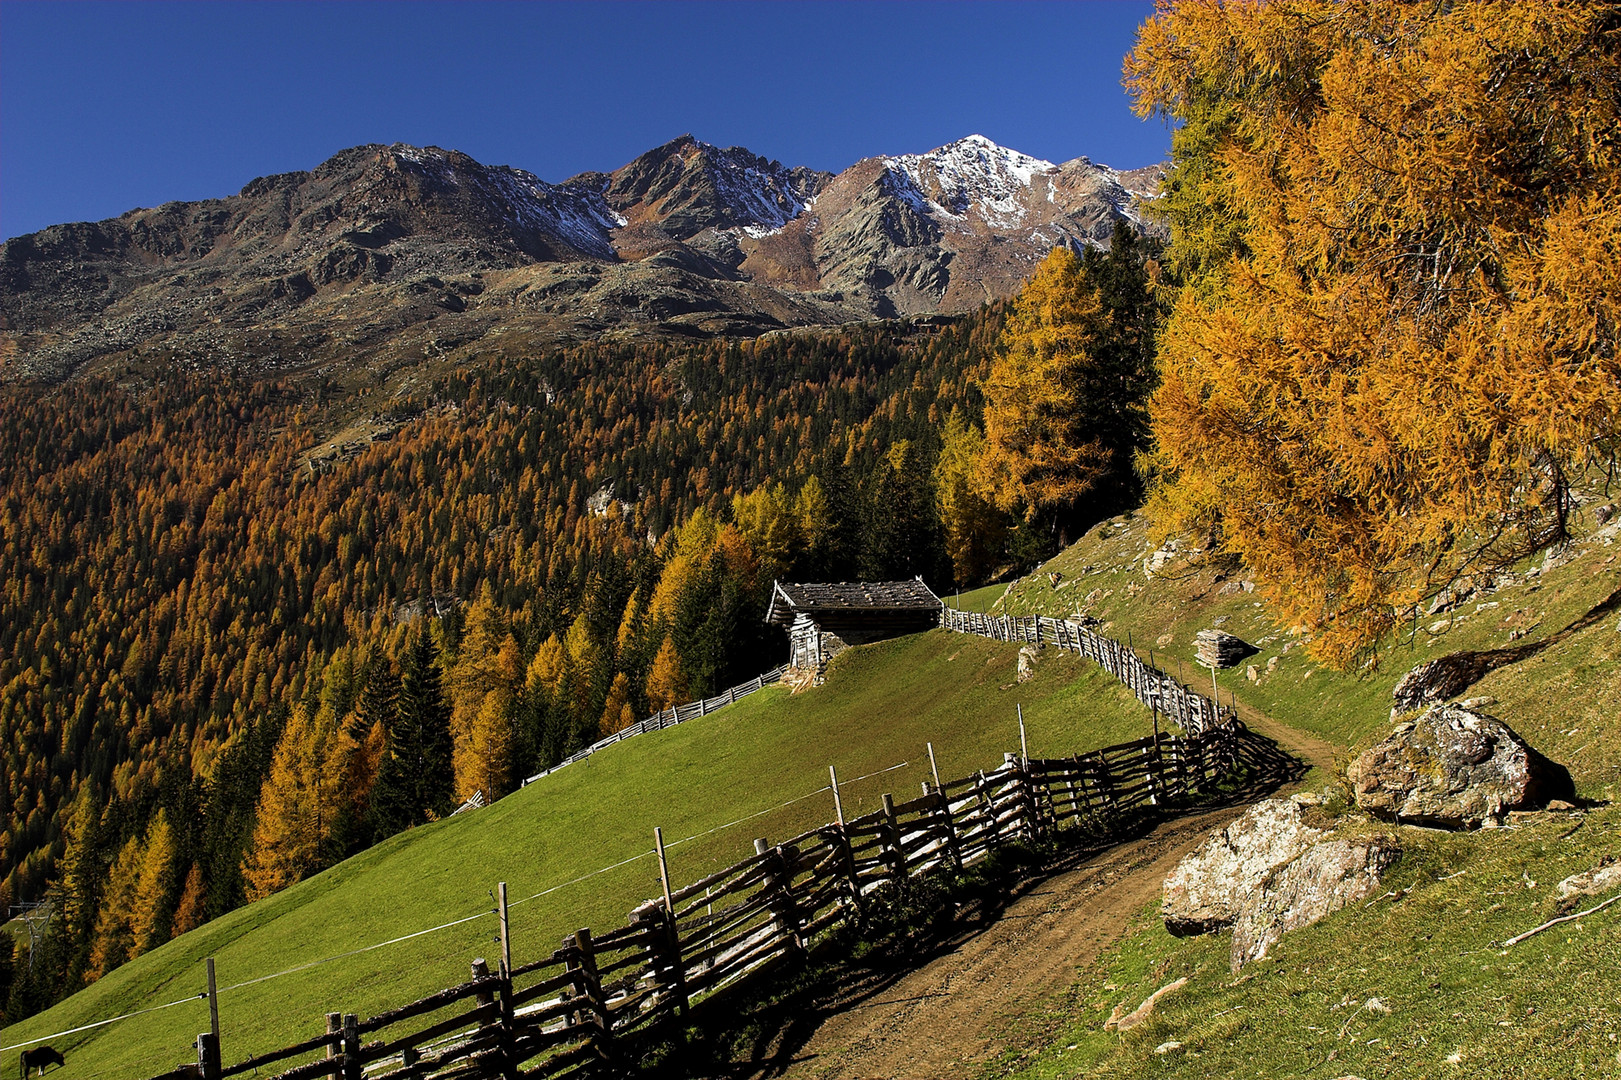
{"type": "Point", "coordinates": [758, 768]}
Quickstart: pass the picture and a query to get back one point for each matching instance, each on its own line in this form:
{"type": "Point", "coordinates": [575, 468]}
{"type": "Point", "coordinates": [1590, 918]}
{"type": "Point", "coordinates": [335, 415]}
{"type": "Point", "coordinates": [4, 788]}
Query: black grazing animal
{"type": "Point", "coordinates": [41, 1056]}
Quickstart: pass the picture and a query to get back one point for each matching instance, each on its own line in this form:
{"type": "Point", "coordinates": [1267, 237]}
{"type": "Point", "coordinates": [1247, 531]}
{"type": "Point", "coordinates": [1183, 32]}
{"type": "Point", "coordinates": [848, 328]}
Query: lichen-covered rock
{"type": "Point", "coordinates": [1454, 768]}
{"type": "Point", "coordinates": [1210, 887]}
{"type": "Point", "coordinates": [1326, 877]}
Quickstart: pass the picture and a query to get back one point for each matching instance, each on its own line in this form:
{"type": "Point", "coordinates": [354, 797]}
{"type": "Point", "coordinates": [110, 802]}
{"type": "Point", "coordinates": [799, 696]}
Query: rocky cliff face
{"type": "Point", "coordinates": [385, 255]}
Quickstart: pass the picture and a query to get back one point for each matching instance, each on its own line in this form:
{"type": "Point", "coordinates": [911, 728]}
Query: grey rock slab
{"type": "Point", "coordinates": [1326, 877]}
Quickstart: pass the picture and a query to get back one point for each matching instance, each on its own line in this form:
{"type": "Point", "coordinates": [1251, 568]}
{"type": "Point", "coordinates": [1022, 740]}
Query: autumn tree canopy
{"type": "Point", "coordinates": [1066, 398]}
{"type": "Point", "coordinates": [1397, 229]}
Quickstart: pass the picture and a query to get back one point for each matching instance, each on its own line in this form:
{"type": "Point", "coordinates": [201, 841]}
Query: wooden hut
{"type": "Point", "coordinates": [822, 619]}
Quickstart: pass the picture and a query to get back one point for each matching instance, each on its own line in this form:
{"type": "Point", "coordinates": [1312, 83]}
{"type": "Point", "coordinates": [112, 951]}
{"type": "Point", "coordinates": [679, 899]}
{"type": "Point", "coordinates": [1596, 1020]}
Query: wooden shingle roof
{"type": "Point", "coordinates": [789, 599]}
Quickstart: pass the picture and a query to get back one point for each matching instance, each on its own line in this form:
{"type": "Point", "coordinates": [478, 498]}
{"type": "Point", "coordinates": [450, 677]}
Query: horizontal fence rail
{"type": "Point", "coordinates": [1191, 710]}
{"type": "Point", "coordinates": [670, 717]}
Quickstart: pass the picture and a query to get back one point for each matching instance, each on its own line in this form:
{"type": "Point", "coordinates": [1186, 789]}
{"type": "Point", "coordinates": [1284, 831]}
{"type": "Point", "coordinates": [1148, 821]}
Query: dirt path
{"type": "Point", "coordinates": [1308, 748]}
{"type": "Point", "coordinates": [939, 1022]}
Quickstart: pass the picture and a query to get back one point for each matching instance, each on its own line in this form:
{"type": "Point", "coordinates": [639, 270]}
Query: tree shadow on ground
{"type": "Point", "coordinates": [762, 1031]}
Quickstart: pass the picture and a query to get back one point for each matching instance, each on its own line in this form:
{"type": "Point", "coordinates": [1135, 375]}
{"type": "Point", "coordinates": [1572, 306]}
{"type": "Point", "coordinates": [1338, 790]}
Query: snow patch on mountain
{"type": "Point", "coordinates": [580, 217]}
{"type": "Point", "coordinates": [973, 174]}
{"type": "Point", "coordinates": [575, 215]}
{"type": "Point", "coordinates": [765, 194]}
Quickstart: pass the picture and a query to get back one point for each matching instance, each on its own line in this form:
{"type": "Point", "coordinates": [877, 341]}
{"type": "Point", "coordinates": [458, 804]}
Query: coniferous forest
{"type": "Point", "coordinates": [230, 658]}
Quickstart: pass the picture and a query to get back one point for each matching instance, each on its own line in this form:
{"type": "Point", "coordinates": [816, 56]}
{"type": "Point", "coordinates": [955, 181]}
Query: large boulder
{"type": "Point", "coordinates": [1326, 877]}
{"type": "Point", "coordinates": [1454, 768]}
{"type": "Point", "coordinates": [1208, 889]}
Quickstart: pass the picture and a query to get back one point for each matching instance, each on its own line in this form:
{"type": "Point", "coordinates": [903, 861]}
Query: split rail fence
{"type": "Point", "coordinates": [678, 714]}
{"type": "Point", "coordinates": [568, 1014]}
{"type": "Point", "coordinates": [1158, 690]}
{"type": "Point", "coordinates": [572, 1012]}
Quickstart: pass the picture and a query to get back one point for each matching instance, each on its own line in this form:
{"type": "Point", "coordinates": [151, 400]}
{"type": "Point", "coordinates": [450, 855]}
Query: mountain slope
{"type": "Point", "coordinates": [387, 256]}
{"type": "Point", "coordinates": [751, 761]}
{"type": "Point", "coordinates": [1417, 982]}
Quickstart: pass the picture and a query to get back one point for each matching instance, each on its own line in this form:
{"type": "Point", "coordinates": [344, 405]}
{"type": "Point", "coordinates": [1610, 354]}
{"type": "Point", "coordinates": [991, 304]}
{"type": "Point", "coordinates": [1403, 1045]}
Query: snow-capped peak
{"type": "Point", "coordinates": [973, 173]}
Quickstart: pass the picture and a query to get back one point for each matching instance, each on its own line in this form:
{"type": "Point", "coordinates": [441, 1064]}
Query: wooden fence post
{"type": "Point", "coordinates": [1193, 752]}
{"type": "Point", "coordinates": [213, 1005]}
{"type": "Point", "coordinates": [506, 930]}
{"type": "Point", "coordinates": [503, 1017]}
{"type": "Point", "coordinates": [675, 965]}
{"type": "Point", "coordinates": [208, 1056]}
{"type": "Point", "coordinates": [847, 862]}
{"type": "Point", "coordinates": [1182, 779]}
{"type": "Point", "coordinates": [588, 985]}
{"type": "Point", "coordinates": [1093, 798]}
{"type": "Point", "coordinates": [1024, 792]}
{"type": "Point", "coordinates": [890, 841]}
{"type": "Point", "coordinates": [948, 825]}
{"type": "Point", "coordinates": [351, 1047]}
{"type": "Point", "coordinates": [664, 951]}
{"type": "Point", "coordinates": [784, 912]}
{"type": "Point", "coordinates": [334, 1028]}
{"type": "Point", "coordinates": [1105, 781]}
{"type": "Point", "coordinates": [987, 806]}
{"type": "Point", "coordinates": [481, 970]}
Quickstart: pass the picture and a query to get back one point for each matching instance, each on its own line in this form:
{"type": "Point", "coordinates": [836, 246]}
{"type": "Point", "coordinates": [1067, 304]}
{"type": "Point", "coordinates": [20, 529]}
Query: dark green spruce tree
{"type": "Point", "coordinates": [415, 781]}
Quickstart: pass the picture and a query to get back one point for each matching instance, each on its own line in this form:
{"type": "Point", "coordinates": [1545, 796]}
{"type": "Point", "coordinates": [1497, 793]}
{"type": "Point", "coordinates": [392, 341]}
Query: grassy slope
{"type": "Point", "coordinates": [1460, 1005]}
{"type": "Point", "coordinates": [1560, 701]}
{"type": "Point", "coordinates": [881, 704]}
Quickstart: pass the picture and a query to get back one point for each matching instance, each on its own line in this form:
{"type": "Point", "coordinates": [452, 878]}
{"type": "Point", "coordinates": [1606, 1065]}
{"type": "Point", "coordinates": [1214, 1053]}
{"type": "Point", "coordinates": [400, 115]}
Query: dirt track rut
{"type": "Point", "coordinates": [940, 1021]}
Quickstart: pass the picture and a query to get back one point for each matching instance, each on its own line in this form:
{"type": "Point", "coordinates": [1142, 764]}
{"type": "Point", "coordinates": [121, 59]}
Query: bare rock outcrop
{"type": "Point", "coordinates": [1326, 877]}
{"type": "Point", "coordinates": [1454, 768]}
{"type": "Point", "coordinates": [1027, 663]}
{"type": "Point", "coordinates": [1448, 676]}
{"type": "Point", "coordinates": [1208, 890]}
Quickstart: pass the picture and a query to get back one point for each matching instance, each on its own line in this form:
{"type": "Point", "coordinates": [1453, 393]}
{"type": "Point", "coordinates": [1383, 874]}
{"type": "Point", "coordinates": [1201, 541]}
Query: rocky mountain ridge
{"type": "Point", "coordinates": [385, 256]}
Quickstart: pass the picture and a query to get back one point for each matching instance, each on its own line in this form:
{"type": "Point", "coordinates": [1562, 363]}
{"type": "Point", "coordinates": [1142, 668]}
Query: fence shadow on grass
{"type": "Point", "coordinates": [907, 925]}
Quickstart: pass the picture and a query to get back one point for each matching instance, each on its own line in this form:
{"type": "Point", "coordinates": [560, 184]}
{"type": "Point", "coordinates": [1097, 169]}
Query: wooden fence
{"type": "Point", "coordinates": [566, 1014]}
{"type": "Point", "coordinates": [1188, 709]}
{"type": "Point", "coordinates": [678, 714]}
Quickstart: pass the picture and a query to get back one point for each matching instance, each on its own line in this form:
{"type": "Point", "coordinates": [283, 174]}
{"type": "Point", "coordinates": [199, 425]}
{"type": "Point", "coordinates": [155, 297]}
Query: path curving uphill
{"type": "Point", "coordinates": [941, 1022]}
{"type": "Point", "coordinates": [945, 1019]}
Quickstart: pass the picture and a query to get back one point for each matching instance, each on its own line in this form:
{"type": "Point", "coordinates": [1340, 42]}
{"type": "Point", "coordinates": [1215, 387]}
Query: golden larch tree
{"type": "Point", "coordinates": [1395, 352]}
{"type": "Point", "coordinates": [666, 684]}
{"type": "Point", "coordinates": [1066, 396]}
{"type": "Point", "coordinates": [298, 805]}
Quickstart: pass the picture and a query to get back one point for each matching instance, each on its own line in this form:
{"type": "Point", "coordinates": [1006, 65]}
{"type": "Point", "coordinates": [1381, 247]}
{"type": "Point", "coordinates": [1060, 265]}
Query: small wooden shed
{"type": "Point", "coordinates": [822, 619]}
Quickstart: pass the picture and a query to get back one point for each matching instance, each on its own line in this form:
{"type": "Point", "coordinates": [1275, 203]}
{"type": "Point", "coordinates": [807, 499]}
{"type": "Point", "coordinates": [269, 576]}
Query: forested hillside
{"type": "Point", "coordinates": [209, 632]}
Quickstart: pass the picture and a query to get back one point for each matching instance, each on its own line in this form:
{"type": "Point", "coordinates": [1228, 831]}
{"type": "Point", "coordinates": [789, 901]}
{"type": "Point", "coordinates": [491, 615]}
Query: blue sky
{"type": "Point", "coordinates": [106, 107]}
